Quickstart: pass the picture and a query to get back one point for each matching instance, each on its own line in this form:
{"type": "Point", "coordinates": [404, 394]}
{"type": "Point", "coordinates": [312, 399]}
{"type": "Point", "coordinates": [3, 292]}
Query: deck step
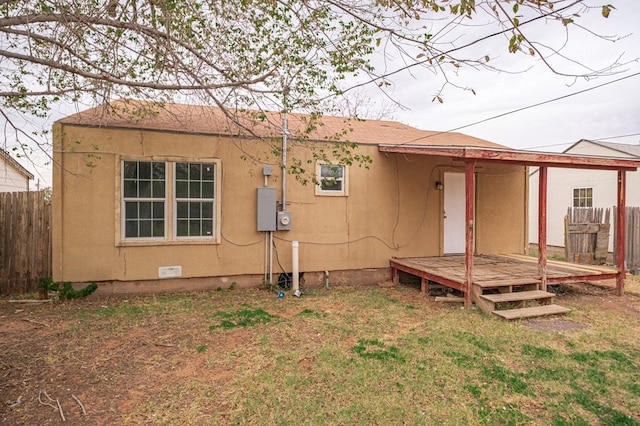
{"type": "Point", "coordinates": [518, 296]}
{"type": "Point", "coordinates": [536, 311]}
{"type": "Point", "coordinates": [506, 283]}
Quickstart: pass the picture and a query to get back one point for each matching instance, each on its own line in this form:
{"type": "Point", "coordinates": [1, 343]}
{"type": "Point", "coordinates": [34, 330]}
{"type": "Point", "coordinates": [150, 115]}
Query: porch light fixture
{"type": "Point", "coordinates": [439, 185]}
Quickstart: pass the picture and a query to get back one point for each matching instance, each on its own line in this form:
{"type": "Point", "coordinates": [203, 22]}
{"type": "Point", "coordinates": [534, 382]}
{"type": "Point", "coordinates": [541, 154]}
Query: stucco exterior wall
{"type": "Point", "coordinates": [393, 209]}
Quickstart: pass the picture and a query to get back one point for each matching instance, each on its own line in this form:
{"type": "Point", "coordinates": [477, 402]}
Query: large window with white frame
{"type": "Point", "coordinates": [169, 201]}
{"type": "Point", "coordinates": [583, 197]}
{"type": "Point", "coordinates": [332, 179]}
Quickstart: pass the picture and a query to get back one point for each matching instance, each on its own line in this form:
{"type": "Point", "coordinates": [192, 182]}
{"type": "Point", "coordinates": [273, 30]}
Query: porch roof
{"type": "Point", "coordinates": [516, 157]}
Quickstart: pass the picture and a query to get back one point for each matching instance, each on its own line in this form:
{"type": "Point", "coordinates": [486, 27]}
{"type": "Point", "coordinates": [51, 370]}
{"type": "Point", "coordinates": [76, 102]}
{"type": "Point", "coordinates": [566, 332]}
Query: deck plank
{"type": "Point", "coordinates": [537, 311]}
{"type": "Point", "coordinates": [518, 296]}
{"type": "Point", "coordinates": [506, 282]}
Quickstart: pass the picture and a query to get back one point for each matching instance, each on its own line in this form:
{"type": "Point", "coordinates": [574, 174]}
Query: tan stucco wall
{"type": "Point", "coordinates": [392, 209]}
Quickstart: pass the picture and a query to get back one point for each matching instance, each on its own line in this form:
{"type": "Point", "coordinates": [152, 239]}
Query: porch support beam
{"type": "Point", "coordinates": [469, 191]}
{"type": "Point", "coordinates": [542, 227]}
{"type": "Point", "coordinates": [621, 225]}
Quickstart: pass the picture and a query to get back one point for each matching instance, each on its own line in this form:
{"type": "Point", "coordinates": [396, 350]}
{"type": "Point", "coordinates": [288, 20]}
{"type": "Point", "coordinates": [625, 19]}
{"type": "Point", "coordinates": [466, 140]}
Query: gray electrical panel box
{"type": "Point", "coordinates": [284, 221]}
{"type": "Point", "coordinates": [266, 209]}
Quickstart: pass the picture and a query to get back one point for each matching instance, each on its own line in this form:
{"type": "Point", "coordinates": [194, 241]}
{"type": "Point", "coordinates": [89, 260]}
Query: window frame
{"type": "Point", "coordinates": [331, 192]}
{"type": "Point", "coordinates": [151, 199]}
{"type": "Point", "coordinates": [177, 199]}
{"type": "Point", "coordinates": [583, 197]}
{"type": "Point", "coordinates": [170, 204]}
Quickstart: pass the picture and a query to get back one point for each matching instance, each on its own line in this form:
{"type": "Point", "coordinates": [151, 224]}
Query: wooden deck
{"type": "Point", "coordinates": [450, 270]}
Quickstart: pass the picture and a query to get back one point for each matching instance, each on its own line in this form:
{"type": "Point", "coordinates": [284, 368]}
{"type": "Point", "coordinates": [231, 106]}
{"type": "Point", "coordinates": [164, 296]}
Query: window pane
{"type": "Point", "coordinates": [207, 210]}
{"type": "Point", "coordinates": [331, 185]}
{"type": "Point", "coordinates": [131, 229]}
{"type": "Point", "coordinates": [182, 171]}
{"type": "Point", "coordinates": [158, 228]}
{"type": "Point", "coordinates": [207, 172]}
{"type": "Point", "coordinates": [130, 170]}
{"type": "Point", "coordinates": [183, 210]}
{"type": "Point", "coordinates": [194, 228]}
{"type": "Point", "coordinates": [145, 210]}
{"type": "Point", "coordinates": [194, 190]}
{"type": "Point", "coordinates": [158, 189]}
{"type": "Point", "coordinates": [207, 228]}
{"type": "Point", "coordinates": [144, 188]}
{"type": "Point", "coordinates": [131, 210]}
{"type": "Point", "coordinates": [144, 170]}
{"type": "Point", "coordinates": [194, 210]}
{"type": "Point", "coordinates": [195, 171]}
{"type": "Point", "coordinates": [207, 190]}
{"type": "Point", "coordinates": [158, 171]}
{"type": "Point", "coordinates": [182, 228]}
{"type": "Point", "coordinates": [145, 228]}
{"type": "Point", "coordinates": [182, 189]}
{"type": "Point", "coordinates": [158, 210]}
{"type": "Point", "coordinates": [131, 188]}
{"type": "Point", "coordinates": [329, 171]}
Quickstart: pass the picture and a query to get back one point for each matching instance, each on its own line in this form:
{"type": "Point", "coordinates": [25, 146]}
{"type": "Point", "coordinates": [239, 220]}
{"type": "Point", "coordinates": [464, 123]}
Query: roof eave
{"type": "Point", "coordinates": [524, 158]}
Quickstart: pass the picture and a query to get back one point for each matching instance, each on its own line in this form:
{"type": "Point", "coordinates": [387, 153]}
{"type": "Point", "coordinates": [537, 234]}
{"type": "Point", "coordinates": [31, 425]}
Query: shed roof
{"type": "Point", "coordinates": [633, 150]}
{"type": "Point", "coordinates": [173, 117]}
{"type": "Point", "coordinates": [10, 160]}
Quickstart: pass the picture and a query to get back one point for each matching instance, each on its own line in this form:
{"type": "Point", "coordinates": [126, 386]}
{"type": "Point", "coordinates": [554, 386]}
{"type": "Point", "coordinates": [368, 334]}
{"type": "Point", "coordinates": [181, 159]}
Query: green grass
{"type": "Point", "coordinates": [348, 356]}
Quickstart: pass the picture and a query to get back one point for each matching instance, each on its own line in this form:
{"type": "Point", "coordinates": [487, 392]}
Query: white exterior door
{"type": "Point", "coordinates": [454, 213]}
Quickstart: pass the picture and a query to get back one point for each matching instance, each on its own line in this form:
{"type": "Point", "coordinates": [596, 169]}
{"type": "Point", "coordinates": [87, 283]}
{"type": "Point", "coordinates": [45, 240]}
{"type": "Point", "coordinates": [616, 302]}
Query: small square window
{"type": "Point", "coordinates": [332, 180]}
{"type": "Point", "coordinates": [583, 197]}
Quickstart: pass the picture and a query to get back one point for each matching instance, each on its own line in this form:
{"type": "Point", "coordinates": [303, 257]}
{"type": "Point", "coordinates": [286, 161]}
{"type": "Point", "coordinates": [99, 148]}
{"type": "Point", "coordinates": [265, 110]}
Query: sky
{"type": "Point", "coordinates": [600, 113]}
{"type": "Point", "coordinates": [609, 112]}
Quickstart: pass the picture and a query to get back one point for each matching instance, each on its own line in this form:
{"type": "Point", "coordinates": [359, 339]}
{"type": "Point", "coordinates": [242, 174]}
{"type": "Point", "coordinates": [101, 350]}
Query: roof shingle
{"type": "Point", "coordinates": [198, 119]}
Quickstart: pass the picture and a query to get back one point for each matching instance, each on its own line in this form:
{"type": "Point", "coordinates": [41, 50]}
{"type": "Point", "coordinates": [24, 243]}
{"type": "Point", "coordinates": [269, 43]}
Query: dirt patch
{"type": "Point", "coordinates": [553, 325]}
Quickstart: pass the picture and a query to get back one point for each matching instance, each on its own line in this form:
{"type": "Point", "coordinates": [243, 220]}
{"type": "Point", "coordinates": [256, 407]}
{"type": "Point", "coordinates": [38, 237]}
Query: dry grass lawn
{"type": "Point", "coordinates": [375, 355]}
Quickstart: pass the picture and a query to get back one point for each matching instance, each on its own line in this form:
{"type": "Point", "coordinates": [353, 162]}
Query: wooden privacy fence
{"type": "Point", "coordinates": [632, 243]}
{"type": "Point", "coordinates": [586, 235]}
{"type": "Point", "coordinates": [25, 241]}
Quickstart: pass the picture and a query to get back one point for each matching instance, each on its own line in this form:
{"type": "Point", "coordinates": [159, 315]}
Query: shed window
{"type": "Point", "coordinates": [583, 197]}
{"type": "Point", "coordinates": [332, 179]}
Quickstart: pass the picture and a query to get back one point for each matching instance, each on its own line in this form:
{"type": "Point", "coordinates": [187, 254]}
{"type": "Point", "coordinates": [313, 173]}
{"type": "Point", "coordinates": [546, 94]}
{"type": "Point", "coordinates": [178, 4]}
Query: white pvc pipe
{"type": "Point", "coordinates": [295, 282]}
{"type": "Point", "coordinates": [270, 257]}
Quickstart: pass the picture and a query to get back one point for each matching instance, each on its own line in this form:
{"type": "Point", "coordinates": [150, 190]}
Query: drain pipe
{"type": "Point", "coordinates": [326, 279]}
{"type": "Point", "coordinates": [295, 278]}
{"type": "Point", "coordinates": [285, 132]}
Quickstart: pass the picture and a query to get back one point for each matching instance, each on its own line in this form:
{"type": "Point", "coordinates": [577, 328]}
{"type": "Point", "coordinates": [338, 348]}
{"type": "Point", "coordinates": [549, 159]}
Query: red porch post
{"type": "Point", "coordinates": [469, 191]}
{"type": "Point", "coordinates": [542, 227]}
{"type": "Point", "coordinates": [621, 224]}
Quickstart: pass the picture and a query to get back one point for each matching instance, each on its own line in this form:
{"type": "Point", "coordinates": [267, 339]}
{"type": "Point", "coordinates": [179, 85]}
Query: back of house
{"type": "Point", "coordinates": [183, 197]}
